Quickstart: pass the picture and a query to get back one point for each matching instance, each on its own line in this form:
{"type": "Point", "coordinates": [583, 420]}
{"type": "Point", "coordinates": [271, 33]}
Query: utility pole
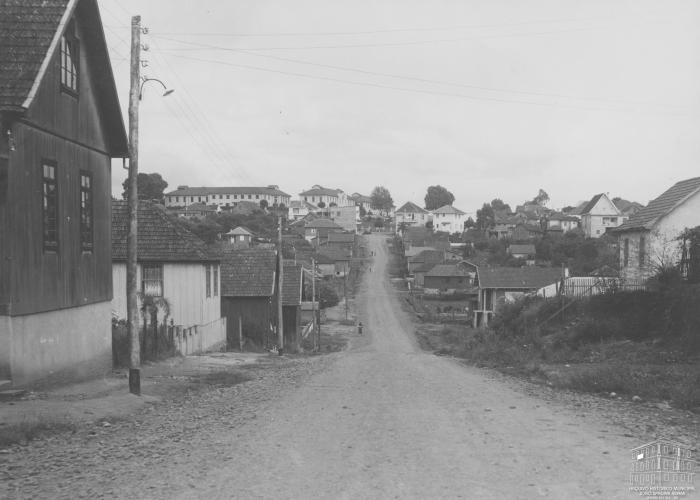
{"type": "Point", "coordinates": [317, 338]}
{"type": "Point", "coordinates": [133, 200]}
{"type": "Point", "coordinates": [280, 284]}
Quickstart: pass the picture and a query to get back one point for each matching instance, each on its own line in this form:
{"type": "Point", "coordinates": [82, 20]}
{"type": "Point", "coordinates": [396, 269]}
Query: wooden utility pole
{"type": "Point", "coordinates": [133, 200]}
{"type": "Point", "coordinates": [317, 338]}
{"type": "Point", "coordinates": [240, 333]}
{"type": "Point", "coordinates": [280, 284]}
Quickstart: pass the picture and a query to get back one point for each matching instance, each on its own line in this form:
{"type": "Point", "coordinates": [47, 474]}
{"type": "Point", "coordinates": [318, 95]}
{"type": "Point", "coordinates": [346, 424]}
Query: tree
{"type": "Point", "coordinates": [321, 204]}
{"type": "Point", "coordinates": [485, 217]}
{"type": "Point", "coordinates": [438, 196]}
{"type": "Point", "coordinates": [498, 206]}
{"type": "Point", "coordinates": [332, 204]}
{"type": "Point", "coordinates": [263, 204]}
{"type": "Point", "coordinates": [381, 199]}
{"type": "Point", "coordinates": [363, 212]}
{"type": "Point", "coordinates": [469, 223]}
{"type": "Point", "coordinates": [541, 199]}
{"type": "Point", "coordinates": [149, 186]}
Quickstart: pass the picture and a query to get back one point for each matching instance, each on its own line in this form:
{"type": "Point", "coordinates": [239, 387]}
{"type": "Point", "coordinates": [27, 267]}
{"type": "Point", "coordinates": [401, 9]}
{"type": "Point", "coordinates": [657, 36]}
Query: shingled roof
{"type": "Point", "coordinates": [248, 273]}
{"type": "Point", "coordinates": [648, 216]}
{"type": "Point", "coordinates": [30, 32]}
{"type": "Point", "coordinates": [159, 239]}
{"type": "Point", "coordinates": [528, 278]}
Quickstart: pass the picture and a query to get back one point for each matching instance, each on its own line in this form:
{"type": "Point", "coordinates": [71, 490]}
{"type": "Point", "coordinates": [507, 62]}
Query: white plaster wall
{"type": "Point", "coordinates": [74, 343]}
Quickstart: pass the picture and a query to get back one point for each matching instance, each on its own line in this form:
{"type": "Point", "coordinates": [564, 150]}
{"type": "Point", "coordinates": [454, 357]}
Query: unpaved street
{"type": "Point", "coordinates": [381, 420]}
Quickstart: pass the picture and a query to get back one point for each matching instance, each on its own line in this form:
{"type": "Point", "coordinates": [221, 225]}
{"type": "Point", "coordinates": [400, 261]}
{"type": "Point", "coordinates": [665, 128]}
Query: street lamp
{"type": "Point", "coordinates": [135, 95]}
{"type": "Point", "coordinates": [146, 79]}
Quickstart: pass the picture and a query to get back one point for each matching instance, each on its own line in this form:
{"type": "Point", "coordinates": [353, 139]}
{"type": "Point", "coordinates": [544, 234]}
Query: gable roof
{"type": "Point", "coordinates": [204, 191]}
{"type": "Point", "coordinates": [248, 272]}
{"type": "Point", "coordinates": [661, 206]}
{"type": "Point", "coordinates": [448, 209]}
{"type": "Point", "coordinates": [321, 191]}
{"type": "Point", "coordinates": [527, 278]}
{"type": "Point", "coordinates": [428, 256]}
{"type": "Point", "coordinates": [240, 230]}
{"type": "Point", "coordinates": [410, 207]}
{"type": "Point", "coordinates": [159, 239]}
{"type": "Point", "coordinates": [446, 271]}
{"type": "Point", "coordinates": [341, 238]}
{"type": "Point", "coordinates": [30, 34]}
{"type": "Point", "coordinates": [527, 249]}
{"type": "Point", "coordinates": [586, 210]}
{"type": "Point", "coordinates": [291, 285]}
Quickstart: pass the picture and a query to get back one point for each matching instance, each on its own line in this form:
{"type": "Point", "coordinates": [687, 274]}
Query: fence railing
{"type": "Point", "coordinates": [199, 338]}
{"type": "Point", "coordinates": [588, 286]}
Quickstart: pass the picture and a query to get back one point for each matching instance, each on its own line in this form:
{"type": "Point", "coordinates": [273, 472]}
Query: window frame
{"type": "Point", "coordinates": [642, 250]}
{"type": "Point", "coordinates": [69, 53]}
{"type": "Point", "coordinates": [161, 279]}
{"type": "Point", "coordinates": [207, 280]}
{"type": "Point", "coordinates": [215, 279]}
{"type": "Point", "coordinates": [87, 211]}
{"type": "Point", "coordinates": [50, 245]}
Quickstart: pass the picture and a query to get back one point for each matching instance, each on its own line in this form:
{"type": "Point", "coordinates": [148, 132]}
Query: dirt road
{"type": "Point", "coordinates": [380, 420]}
{"type": "Point", "coordinates": [389, 421]}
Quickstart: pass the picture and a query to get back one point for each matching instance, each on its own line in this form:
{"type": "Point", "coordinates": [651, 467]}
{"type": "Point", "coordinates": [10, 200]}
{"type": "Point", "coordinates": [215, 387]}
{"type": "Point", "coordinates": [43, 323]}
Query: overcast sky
{"type": "Point", "coordinates": [489, 98]}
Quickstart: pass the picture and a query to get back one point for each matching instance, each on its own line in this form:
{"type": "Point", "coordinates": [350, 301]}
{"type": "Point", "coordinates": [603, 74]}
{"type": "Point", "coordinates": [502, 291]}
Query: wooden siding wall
{"type": "Point", "coordinates": [4, 262]}
{"type": "Point", "coordinates": [41, 280]}
{"type": "Point", "coordinates": [256, 313]}
{"type": "Point", "coordinates": [69, 116]}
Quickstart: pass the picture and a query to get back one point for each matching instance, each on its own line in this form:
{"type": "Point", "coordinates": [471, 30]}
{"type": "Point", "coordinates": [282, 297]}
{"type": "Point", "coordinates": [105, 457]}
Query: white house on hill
{"type": "Point", "coordinates": [599, 215]}
{"type": "Point", "coordinates": [449, 219]}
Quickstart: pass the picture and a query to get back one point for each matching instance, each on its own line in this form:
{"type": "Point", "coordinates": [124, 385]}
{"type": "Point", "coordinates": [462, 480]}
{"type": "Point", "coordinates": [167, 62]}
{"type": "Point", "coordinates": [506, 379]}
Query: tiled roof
{"type": "Point", "coordinates": [410, 207]}
{"type": "Point", "coordinates": [522, 249]}
{"type": "Point", "coordinates": [448, 209]}
{"type": "Point", "coordinates": [291, 286]}
{"type": "Point", "coordinates": [428, 256]}
{"type": "Point", "coordinates": [203, 191]}
{"type": "Point", "coordinates": [248, 273]}
{"type": "Point", "coordinates": [29, 34]}
{"type": "Point", "coordinates": [341, 238]}
{"type": "Point", "coordinates": [27, 28]}
{"type": "Point", "coordinates": [337, 254]}
{"type": "Point", "coordinates": [321, 191]}
{"type": "Point", "coordinates": [527, 278]}
{"type": "Point", "coordinates": [446, 270]}
{"type": "Point", "coordinates": [158, 238]}
{"type": "Point", "coordinates": [661, 206]}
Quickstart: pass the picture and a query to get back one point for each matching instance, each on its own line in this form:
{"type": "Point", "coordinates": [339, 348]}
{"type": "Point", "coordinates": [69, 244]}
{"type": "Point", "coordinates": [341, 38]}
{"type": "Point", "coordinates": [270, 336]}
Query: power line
{"type": "Point", "coordinates": [409, 78]}
{"type": "Point", "coordinates": [404, 89]}
{"type": "Point", "coordinates": [381, 31]}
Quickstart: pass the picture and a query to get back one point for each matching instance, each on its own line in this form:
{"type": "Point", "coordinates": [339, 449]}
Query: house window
{"type": "Point", "coordinates": [216, 280]}
{"type": "Point", "coordinates": [642, 250]}
{"type": "Point", "coordinates": [86, 222]}
{"type": "Point", "coordinates": [50, 206]}
{"type": "Point", "coordinates": [207, 278]}
{"type": "Point", "coordinates": [626, 256]}
{"type": "Point", "coordinates": [152, 280]}
{"type": "Point", "coordinates": [69, 60]}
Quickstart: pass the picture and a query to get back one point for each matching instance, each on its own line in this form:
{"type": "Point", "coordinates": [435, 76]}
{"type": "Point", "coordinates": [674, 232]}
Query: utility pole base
{"type": "Point", "coordinates": [135, 381]}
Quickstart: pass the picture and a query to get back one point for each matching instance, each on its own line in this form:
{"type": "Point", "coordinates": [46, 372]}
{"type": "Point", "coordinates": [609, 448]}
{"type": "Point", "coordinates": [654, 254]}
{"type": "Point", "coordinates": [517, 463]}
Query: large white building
{"type": "Point", "coordinates": [449, 219]}
{"type": "Point", "coordinates": [226, 196]}
{"type": "Point", "coordinates": [319, 194]}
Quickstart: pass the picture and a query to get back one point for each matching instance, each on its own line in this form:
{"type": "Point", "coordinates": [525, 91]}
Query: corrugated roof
{"type": "Point", "coordinates": [528, 278]}
{"type": "Point", "coordinates": [158, 238]}
{"type": "Point", "coordinates": [29, 35]}
{"type": "Point", "coordinates": [410, 207]}
{"type": "Point", "coordinates": [659, 207]}
{"type": "Point", "coordinates": [448, 209]}
{"type": "Point", "coordinates": [248, 273]}
{"type": "Point", "coordinates": [204, 191]}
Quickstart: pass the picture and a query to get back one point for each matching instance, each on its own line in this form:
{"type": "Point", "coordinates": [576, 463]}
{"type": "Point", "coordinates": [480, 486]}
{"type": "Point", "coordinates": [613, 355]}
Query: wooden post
{"type": "Point", "coordinates": [317, 340]}
{"type": "Point", "coordinates": [280, 283]}
{"type": "Point", "coordinates": [240, 333]}
{"type": "Point", "coordinates": [131, 246]}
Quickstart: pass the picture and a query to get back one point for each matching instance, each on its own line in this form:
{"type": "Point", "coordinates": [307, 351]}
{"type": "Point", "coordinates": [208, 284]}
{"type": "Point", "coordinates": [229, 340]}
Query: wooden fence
{"type": "Point", "coordinates": [587, 286]}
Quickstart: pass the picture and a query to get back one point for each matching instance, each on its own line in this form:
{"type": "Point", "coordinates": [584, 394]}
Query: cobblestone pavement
{"type": "Point", "coordinates": [380, 420]}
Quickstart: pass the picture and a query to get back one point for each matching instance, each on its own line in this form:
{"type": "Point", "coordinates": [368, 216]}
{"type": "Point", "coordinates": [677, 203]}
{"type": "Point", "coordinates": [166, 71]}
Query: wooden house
{"type": "Point", "coordinates": [292, 289]}
{"type": "Point", "coordinates": [173, 265]}
{"type": "Point", "coordinates": [499, 285]}
{"type": "Point", "coordinates": [450, 278]}
{"type": "Point", "coordinates": [60, 127]}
